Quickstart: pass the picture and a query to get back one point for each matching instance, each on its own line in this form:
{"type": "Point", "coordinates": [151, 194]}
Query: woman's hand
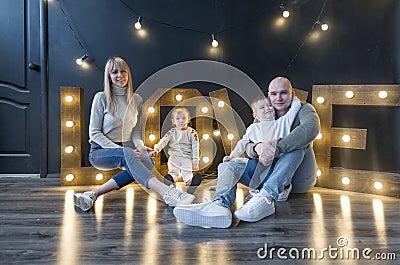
{"type": "Point", "coordinates": [142, 150]}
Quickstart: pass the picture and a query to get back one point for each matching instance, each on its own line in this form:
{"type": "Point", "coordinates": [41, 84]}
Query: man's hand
{"type": "Point", "coordinates": [226, 158]}
{"type": "Point", "coordinates": [267, 151]}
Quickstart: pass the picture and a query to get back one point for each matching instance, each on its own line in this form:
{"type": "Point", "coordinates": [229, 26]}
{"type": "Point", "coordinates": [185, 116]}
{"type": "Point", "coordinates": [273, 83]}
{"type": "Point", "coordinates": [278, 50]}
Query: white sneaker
{"type": "Point", "coordinates": [257, 208]}
{"type": "Point", "coordinates": [208, 214]}
{"type": "Point", "coordinates": [284, 195]}
{"type": "Point", "coordinates": [174, 197]}
{"type": "Point", "coordinates": [85, 200]}
{"type": "Point", "coordinates": [251, 194]}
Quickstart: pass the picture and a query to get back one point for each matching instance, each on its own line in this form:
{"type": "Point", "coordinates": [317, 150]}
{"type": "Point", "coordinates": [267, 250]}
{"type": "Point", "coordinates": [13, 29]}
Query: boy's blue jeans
{"type": "Point", "coordinates": [298, 167]}
{"type": "Point", "coordinates": [135, 168]}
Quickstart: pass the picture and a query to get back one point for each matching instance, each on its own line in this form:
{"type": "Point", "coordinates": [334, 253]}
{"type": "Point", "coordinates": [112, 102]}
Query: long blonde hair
{"type": "Point", "coordinates": [116, 62]}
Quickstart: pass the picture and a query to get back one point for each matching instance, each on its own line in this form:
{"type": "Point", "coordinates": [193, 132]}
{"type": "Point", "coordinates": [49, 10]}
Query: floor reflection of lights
{"type": "Point", "coordinates": [130, 201]}
{"type": "Point", "coordinates": [68, 249]}
{"type": "Point", "coordinates": [318, 224]}
{"type": "Point", "coordinates": [151, 237]}
{"type": "Point", "coordinates": [98, 208]}
{"type": "Point", "coordinates": [379, 217]}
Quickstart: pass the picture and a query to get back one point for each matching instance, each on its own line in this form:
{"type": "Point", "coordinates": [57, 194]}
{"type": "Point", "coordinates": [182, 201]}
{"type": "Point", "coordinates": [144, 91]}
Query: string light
{"type": "Point", "coordinates": [179, 97]}
{"type": "Point", "coordinates": [80, 60]}
{"type": "Point", "coordinates": [138, 25]}
{"type": "Point", "coordinates": [323, 26]}
{"type": "Point", "coordinates": [206, 136]}
{"type": "Point", "coordinates": [214, 42]}
{"type": "Point", "coordinates": [217, 132]}
{"type": "Point", "coordinates": [319, 136]}
{"type": "Point", "coordinates": [230, 136]}
{"type": "Point", "coordinates": [285, 13]}
{"type": "Point", "coordinates": [151, 109]}
{"type": "Point", "coordinates": [204, 109]}
{"type": "Point", "coordinates": [221, 104]}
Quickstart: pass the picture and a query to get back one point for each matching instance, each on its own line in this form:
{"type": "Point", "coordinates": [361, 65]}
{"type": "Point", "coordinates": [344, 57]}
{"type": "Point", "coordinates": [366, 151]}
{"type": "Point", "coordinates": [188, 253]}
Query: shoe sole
{"type": "Point", "coordinates": [194, 219]}
{"type": "Point", "coordinates": [83, 203]}
{"type": "Point", "coordinates": [252, 220]}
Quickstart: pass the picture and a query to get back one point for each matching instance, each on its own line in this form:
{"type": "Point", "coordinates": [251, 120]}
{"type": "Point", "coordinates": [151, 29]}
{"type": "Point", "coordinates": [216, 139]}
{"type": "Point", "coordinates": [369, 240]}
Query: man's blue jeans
{"type": "Point", "coordinates": [135, 168]}
{"type": "Point", "coordinates": [298, 167]}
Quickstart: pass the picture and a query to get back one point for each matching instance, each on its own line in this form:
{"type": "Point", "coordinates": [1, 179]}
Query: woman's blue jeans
{"type": "Point", "coordinates": [298, 167]}
{"type": "Point", "coordinates": [134, 167]}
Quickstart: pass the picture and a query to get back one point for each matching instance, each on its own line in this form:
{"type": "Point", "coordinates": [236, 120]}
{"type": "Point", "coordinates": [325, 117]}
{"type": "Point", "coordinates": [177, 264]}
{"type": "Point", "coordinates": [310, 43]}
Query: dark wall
{"type": "Point", "coordinates": [360, 47]}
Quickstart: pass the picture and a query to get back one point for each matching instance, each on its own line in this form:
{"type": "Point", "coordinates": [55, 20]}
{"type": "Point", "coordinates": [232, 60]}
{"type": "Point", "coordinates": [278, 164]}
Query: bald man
{"type": "Point", "coordinates": [291, 161]}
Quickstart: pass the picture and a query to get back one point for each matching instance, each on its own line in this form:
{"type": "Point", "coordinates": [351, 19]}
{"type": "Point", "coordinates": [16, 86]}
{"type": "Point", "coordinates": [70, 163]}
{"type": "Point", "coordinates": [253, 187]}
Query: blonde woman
{"type": "Point", "coordinates": [116, 140]}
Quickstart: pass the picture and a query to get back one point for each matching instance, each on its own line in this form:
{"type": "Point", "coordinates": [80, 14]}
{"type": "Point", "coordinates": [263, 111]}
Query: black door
{"type": "Point", "coordinates": [21, 128]}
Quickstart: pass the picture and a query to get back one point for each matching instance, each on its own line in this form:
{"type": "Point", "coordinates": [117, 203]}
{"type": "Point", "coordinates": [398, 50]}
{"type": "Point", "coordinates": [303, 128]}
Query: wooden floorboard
{"type": "Point", "coordinates": [39, 225]}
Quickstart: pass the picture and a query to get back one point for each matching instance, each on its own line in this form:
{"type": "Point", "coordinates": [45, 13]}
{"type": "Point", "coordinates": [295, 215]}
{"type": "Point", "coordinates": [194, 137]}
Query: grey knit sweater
{"type": "Point", "coordinates": [122, 126]}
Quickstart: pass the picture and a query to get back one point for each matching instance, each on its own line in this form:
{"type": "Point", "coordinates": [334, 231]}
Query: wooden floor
{"type": "Point", "coordinates": [39, 225]}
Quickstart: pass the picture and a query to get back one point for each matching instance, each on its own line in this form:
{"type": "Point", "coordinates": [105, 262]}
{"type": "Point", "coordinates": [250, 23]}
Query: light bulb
{"type": "Point", "coordinates": [69, 124]}
{"type": "Point", "coordinates": [69, 177]}
{"type": "Point", "coordinates": [204, 109]}
{"type": "Point", "coordinates": [138, 25]}
{"type": "Point", "coordinates": [99, 176]}
{"type": "Point", "coordinates": [230, 136]}
{"type": "Point", "coordinates": [346, 138]}
{"type": "Point", "coordinates": [346, 180]}
{"type": "Point", "coordinates": [152, 137]}
{"type": "Point", "coordinates": [206, 136]}
{"type": "Point", "coordinates": [206, 159]}
{"type": "Point", "coordinates": [378, 185]}
{"type": "Point", "coordinates": [214, 42]}
{"type": "Point", "coordinates": [69, 99]}
{"type": "Point", "coordinates": [319, 173]}
{"type": "Point", "coordinates": [285, 13]}
{"type": "Point", "coordinates": [349, 94]}
{"type": "Point", "coordinates": [221, 104]}
{"type": "Point", "coordinates": [324, 27]}
{"type": "Point", "coordinates": [69, 149]}
{"type": "Point", "coordinates": [382, 94]}
{"type": "Point", "coordinates": [319, 136]}
{"type": "Point", "coordinates": [320, 100]}
{"type": "Point", "coordinates": [79, 61]}
{"type": "Point", "coordinates": [178, 97]}
{"type": "Point", "coordinates": [151, 109]}
{"type": "Point", "coordinates": [216, 132]}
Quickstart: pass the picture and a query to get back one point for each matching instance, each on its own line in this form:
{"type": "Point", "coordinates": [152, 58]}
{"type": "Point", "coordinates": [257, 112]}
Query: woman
{"type": "Point", "coordinates": [116, 142]}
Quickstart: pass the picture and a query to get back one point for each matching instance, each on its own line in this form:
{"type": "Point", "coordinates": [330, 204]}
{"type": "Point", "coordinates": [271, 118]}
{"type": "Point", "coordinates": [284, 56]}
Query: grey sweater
{"type": "Point", "coordinates": [122, 126]}
{"type": "Point", "coordinates": [304, 129]}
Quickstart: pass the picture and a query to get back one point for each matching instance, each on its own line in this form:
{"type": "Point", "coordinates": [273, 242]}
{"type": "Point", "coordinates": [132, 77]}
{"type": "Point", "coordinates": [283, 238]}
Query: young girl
{"type": "Point", "coordinates": [183, 149]}
{"type": "Point", "coordinates": [116, 141]}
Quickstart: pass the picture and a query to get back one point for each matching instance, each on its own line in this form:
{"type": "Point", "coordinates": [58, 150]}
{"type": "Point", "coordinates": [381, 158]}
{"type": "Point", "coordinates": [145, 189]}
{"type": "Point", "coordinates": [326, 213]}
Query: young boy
{"type": "Point", "coordinates": [266, 129]}
{"type": "Point", "coordinates": [183, 150]}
